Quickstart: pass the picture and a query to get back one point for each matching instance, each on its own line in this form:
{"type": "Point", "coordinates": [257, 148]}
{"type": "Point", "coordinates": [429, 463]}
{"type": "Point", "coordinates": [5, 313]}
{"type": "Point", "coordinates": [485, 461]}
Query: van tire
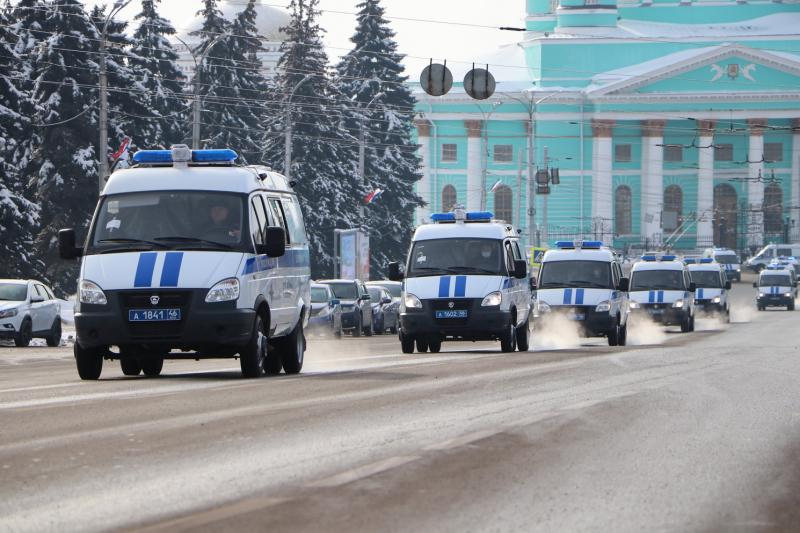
{"type": "Point", "coordinates": [623, 335]}
{"type": "Point", "coordinates": [23, 338]}
{"type": "Point", "coordinates": [152, 365]}
{"type": "Point", "coordinates": [406, 343]}
{"type": "Point", "coordinates": [292, 349]}
{"type": "Point", "coordinates": [686, 325]}
{"type": "Point", "coordinates": [523, 336]}
{"type": "Point", "coordinates": [130, 365]}
{"type": "Point", "coordinates": [54, 338]}
{"type": "Point", "coordinates": [613, 335]}
{"type": "Point", "coordinates": [435, 346]}
{"type": "Point", "coordinates": [368, 331]}
{"type": "Point", "coordinates": [790, 307]}
{"type": "Point", "coordinates": [508, 340]}
{"type": "Point", "coordinates": [422, 345]}
{"type": "Point", "coordinates": [253, 355]}
{"type": "Point", "coordinates": [358, 329]}
{"type": "Point", "coordinates": [89, 362]}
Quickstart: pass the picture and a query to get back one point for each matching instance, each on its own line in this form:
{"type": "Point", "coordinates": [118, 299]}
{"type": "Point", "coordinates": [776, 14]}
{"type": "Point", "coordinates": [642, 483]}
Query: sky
{"type": "Point", "coordinates": [459, 44]}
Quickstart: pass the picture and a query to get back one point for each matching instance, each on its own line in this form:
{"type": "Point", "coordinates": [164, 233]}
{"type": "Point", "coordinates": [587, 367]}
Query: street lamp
{"type": "Point", "coordinates": [287, 129]}
{"type": "Point", "coordinates": [362, 149]}
{"type": "Point", "coordinates": [103, 144]}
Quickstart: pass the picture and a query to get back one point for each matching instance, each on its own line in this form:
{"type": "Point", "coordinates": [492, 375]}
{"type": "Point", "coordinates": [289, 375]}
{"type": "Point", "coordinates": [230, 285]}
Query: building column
{"type": "Point", "coordinates": [602, 181]}
{"type": "Point", "coordinates": [705, 184]}
{"type": "Point", "coordinates": [755, 182]}
{"type": "Point", "coordinates": [474, 164]}
{"type": "Point", "coordinates": [424, 189]}
{"type": "Point", "coordinates": [652, 180]}
{"type": "Point", "coordinates": [795, 201]}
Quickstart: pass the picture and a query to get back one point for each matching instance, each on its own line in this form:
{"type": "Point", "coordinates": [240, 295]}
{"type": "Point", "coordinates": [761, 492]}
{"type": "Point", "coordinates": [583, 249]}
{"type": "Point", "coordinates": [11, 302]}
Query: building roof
{"type": "Point", "coordinates": [269, 20]}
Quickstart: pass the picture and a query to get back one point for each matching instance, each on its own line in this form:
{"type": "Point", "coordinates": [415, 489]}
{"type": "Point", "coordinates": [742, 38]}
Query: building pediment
{"type": "Point", "coordinates": [715, 69]}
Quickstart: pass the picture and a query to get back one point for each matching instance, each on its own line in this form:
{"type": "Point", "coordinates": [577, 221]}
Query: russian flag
{"type": "Point", "coordinates": [374, 195]}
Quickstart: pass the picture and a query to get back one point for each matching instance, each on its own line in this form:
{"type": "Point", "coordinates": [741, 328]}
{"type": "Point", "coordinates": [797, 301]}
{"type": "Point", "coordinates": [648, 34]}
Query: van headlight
{"type": "Point", "coordinates": [224, 291]}
{"type": "Point", "coordinates": [411, 301]}
{"type": "Point", "coordinates": [8, 313]}
{"type": "Point", "coordinates": [91, 293]}
{"type": "Point", "coordinates": [493, 299]}
{"type": "Point", "coordinates": [677, 304]}
{"type": "Point", "coordinates": [760, 294]}
{"type": "Point", "coordinates": [788, 294]}
{"type": "Point", "coordinates": [716, 299]}
{"type": "Point", "coordinates": [603, 307]}
{"type": "Point", "coordinates": [633, 305]}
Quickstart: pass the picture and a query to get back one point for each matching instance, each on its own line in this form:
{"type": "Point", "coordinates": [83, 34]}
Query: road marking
{"type": "Point", "coordinates": [213, 515]}
{"type": "Point", "coordinates": [40, 387]}
{"type": "Point", "coordinates": [463, 440]}
{"type": "Point", "coordinates": [354, 474]}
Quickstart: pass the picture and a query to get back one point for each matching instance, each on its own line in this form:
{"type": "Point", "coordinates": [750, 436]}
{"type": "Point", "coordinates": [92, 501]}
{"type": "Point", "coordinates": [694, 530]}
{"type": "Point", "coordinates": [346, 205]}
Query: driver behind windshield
{"type": "Point", "coordinates": [223, 222]}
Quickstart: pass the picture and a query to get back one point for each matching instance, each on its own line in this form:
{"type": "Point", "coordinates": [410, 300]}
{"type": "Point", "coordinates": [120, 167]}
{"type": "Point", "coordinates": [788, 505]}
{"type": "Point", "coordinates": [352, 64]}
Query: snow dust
{"type": "Point", "coordinates": [642, 330]}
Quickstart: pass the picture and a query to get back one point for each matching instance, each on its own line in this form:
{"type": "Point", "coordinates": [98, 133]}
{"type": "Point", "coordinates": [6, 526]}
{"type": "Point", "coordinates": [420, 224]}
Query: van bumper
{"type": "Point", "coordinates": [589, 322]}
{"type": "Point", "coordinates": [774, 301]}
{"type": "Point", "coordinates": [481, 323]}
{"type": "Point", "coordinates": [662, 313]}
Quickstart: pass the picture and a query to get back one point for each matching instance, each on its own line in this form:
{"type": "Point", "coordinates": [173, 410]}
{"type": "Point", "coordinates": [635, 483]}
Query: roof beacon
{"type": "Point", "coordinates": [181, 155]}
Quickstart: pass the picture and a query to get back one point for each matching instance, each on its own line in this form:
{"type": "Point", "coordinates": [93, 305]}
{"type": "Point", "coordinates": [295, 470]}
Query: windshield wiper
{"type": "Point", "coordinates": [133, 241]}
{"type": "Point", "coordinates": [429, 271]}
{"type": "Point", "coordinates": [196, 240]}
{"type": "Point", "coordinates": [471, 269]}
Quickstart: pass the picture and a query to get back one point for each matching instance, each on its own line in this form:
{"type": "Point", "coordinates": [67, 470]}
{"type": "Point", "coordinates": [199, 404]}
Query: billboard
{"type": "Point", "coordinates": [352, 258]}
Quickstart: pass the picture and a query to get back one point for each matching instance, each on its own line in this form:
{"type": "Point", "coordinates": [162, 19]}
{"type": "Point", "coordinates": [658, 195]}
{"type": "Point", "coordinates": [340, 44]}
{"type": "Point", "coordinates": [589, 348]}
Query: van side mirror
{"type": "Point", "coordinates": [728, 285]}
{"type": "Point", "coordinates": [386, 300]}
{"type": "Point", "coordinates": [274, 242]}
{"type": "Point", "coordinates": [624, 285]}
{"type": "Point", "coordinates": [334, 302]}
{"type": "Point", "coordinates": [533, 284]}
{"type": "Point", "coordinates": [66, 245]}
{"type": "Point", "coordinates": [755, 284]}
{"type": "Point", "coordinates": [394, 273]}
{"type": "Point", "coordinates": [692, 287]}
{"type": "Point", "coordinates": [520, 269]}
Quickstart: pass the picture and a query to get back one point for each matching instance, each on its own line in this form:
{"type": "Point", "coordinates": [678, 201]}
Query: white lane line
{"type": "Point", "coordinates": [40, 387]}
{"type": "Point", "coordinates": [469, 438]}
{"type": "Point", "coordinates": [348, 476]}
{"type": "Point", "coordinates": [197, 520]}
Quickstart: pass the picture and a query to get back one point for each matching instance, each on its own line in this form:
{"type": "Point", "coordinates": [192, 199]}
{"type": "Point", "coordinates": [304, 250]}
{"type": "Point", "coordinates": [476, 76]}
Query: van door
{"type": "Point", "coordinates": [282, 277]}
{"type": "Point", "coordinates": [258, 279]}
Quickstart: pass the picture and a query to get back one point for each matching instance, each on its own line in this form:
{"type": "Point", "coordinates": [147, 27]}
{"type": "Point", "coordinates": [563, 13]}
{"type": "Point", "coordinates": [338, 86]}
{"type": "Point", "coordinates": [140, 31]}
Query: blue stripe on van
{"type": "Point", "coordinates": [661, 297]}
{"type": "Point", "coordinates": [567, 297]}
{"type": "Point", "coordinates": [444, 287]}
{"type": "Point", "coordinates": [144, 269]}
{"type": "Point", "coordinates": [699, 294]}
{"type": "Point", "coordinates": [292, 259]}
{"type": "Point", "coordinates": [461, 286]}
{"type": "Point", "coordinates": [651, 297]}
{"type": "Point", "coordinates": [579, 297]}
{"type": "Point", "coordinates": [172, 269]}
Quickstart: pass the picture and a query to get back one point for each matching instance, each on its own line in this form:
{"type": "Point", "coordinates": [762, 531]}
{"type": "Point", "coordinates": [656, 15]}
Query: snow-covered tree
{"type": "Point", "coordinates": [371, 77]}
{"type": "Point", "coordinates": [323, 152]}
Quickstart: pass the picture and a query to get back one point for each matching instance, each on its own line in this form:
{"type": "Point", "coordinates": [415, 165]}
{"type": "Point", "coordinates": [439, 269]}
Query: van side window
{"type": "Point", "coordinates": [258, 219]}
{"type": "Point", "coordinates": [294, 220]}
{"type": "Point", "coordinates": [278, 217]}
{"type": "Point", "coordinates": [509, 258]}
{"type": "Point", "coordinates": [515, 248]}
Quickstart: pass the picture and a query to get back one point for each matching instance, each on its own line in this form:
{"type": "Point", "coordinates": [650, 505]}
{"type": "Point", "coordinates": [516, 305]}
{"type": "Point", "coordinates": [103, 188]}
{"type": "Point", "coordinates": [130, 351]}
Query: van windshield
{"type": "Point", "coordinates": [706, 279]}
{"type": "Point", "coordinates": [580, 274]}
{"type": "Point", "coordinates": [657, 280]}
{"type": "Point", "coordinates": [438, 257]}
{"type": "Point", "coordinates": [775, 280]}
{"type": "Point", "coordinates": [184, 220]}
{"type": "Point", "coordinates": [727, 259]}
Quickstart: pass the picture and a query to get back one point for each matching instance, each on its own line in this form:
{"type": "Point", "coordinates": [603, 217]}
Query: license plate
{"type": "Point", "coordinates": [154, 315]}
{"type": "Point", "coordinates": [454, 313]}
{"type": "Point", "coordinates": [577, 316]}
{"type": "Point", "coordinates": [656, 311]}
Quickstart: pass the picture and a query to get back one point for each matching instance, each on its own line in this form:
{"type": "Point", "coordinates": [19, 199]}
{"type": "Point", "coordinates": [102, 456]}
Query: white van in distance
{"type": "Point", "coordinates": [187, 251]}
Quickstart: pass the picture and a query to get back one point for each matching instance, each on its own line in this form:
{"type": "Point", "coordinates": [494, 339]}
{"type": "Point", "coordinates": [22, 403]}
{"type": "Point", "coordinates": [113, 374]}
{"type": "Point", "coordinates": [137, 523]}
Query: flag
{"type": "Point", "coordinates": [497, 184]}
{"type": "Point", "coordinates": [121, 154]}
{"type": "Point", "coordinates": [371, 197]}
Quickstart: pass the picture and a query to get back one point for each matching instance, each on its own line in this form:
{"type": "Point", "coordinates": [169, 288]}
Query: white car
{"type": "Point", "coordinates": [28, 309]}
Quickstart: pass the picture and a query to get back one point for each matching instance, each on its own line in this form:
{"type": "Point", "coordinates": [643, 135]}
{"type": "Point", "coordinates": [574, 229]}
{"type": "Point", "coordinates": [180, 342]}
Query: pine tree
{"type": "Point", "coordinates": [63, 169]}
{"type": "Point", "coordinates": [323, 152]}
{"type": "Point", "coordinates": [18, 216]}
{"type": "Point", "coordinates": [154, 63]}
{"type": "Point", "coordinates": [371, 77]}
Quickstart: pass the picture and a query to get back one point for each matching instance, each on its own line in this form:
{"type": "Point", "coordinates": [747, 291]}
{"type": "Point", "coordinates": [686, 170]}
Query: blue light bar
{"type": "Point", "coordinates": [224, 155]}
{"type": "Point", "coordinates": [480, 215]}
{"type": "Point", "coordinates": [668, 258]}
{"type": "Point", "coordinates": [565, 244]}
{"type": "Point", "coordinates": [592, 245]}
{"type": "Point", "coordinates": [707, 260]}
{"type": "Point", "coordinates": [690, 260]}
{"type": "Point", "coordinates": [153, 156]}
{"type": "Point", "coordinates": [443, 217]}
{"type": "Point", "coordinates": [649, 258]}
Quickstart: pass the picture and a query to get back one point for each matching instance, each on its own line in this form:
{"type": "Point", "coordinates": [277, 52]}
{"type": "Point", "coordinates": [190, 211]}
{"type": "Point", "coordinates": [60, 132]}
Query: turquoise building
{"type": "Point", "coordinates": [670, 123]}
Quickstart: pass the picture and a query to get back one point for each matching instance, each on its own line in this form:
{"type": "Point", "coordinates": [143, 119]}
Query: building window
{"type": "Point", "coordinates": [673, 208]}
{"type": "Point", "coordinates": [449, 152]}
{"type": "Point", "coordinates": [449, 198]}
{"type": "Point", "coordinates": [622, 153]}
{"type": "Point", "coordinates": [623, 207]}
{"type": "Point", "coordinates": [503, 153]}
{"type": "Point", "coordinates": [673, 153]}
{"type": "Point", "coordinates": [773, 208]}
{"type": "Point", "coordinates": [503, 203]}
{"type": "Point", "coordinates": [723, 152]}
{"type": "Point", "coordinates": [773, 152]}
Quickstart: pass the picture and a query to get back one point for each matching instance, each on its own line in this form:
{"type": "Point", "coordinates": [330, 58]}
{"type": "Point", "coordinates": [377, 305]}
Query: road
{"type": "Point", "coordinates": [698, 432]}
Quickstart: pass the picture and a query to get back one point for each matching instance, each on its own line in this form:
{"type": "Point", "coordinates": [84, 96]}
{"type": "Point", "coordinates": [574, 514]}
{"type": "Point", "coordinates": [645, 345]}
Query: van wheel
{"type": "Point", "coordinates": [292, 349]}
{"type": "Point", "coordinates": [623, 335]}
{"type": "Point", "coordinates": [23, 338]}
{"type": "Point", "coordinates": [251, 358]}
{"type": "Point", "coordinates": [89, 362]}
{"type": "Point", "coordinates": [791, 307]}
{"type": "Point", "coordinates": [406, 343]}
{"type": "Point", "coordinates": [523, 336]}
{"type": "Point", "coordinates": [130, 365]}
{"type": "Point", "coordinates": [435, 346]}
{"type": "Point", "coordinates": [613, 335]}
{"type": "Point", "coordinates": [727, 316]}
{"type": "Point", "coordinates": [508, 340]}
{"type": "Point", "coordinates": [54, 338]}
{"type": "Point", "coordinates": [152, 365]}
{"type": "Point", "coordinates": [359, 327]}
{"type": "Point", "coordinates": [686, 325]}
{"type": "Point", "coordinates": [369, 329]}
{"type": "Point", "coordinates": [422, 345]}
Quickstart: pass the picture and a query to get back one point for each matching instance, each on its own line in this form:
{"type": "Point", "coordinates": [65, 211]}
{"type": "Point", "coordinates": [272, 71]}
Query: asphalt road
{"type": "Point", "coordinates": [699, 432]}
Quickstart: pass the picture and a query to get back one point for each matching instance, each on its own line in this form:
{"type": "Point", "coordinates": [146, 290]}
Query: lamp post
{"type": "Point", "coordinates": [103, 144]}
{"type": "Point", "coordinates": [362, 150]}
{"type": "Point", "coordinates": [287, 129]}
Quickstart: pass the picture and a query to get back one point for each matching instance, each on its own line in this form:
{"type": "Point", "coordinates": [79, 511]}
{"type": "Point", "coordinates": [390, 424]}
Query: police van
{"type": "Point", "coordinates": [466, 278]}
{"type": "Point", "coordinates": [583, 281]}
{"type": "Point", "coordinates": [776, 288]}
{"type": "Point", "coordinates": [728, 259]}
{"type": "Point", "coordinates": [662, 289]}
{"type": "Point", "coordinates": [188, 252]}
{"type": "Point", "coordinates": [771, 252]}
{"type": "Point", "coordinates": [711, 287]}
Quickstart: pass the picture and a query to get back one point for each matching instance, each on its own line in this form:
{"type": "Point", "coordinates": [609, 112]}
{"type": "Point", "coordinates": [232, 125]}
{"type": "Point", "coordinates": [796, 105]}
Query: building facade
{"type": "Point", "coordinates": [670, 123]}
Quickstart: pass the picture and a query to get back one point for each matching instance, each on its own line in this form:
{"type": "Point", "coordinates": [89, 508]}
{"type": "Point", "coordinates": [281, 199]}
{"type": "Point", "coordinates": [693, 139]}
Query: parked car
{"type": "Point", "coordinates": [28, 309]}
{"type": "Point", "coordinates": [326, 310]}
{"type": "Point", "coordinates": [355, 302]}
{"type": "Point", "coordinates": [384, 309]}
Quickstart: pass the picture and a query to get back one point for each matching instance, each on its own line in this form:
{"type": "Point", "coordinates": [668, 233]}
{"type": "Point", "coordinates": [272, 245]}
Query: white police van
{"type": "Point", "coordinates": [711, 287]}
{"type": "Point", "coordinates": [662, 289]}
{"type": "Point", "coordinates": [776, 288]}
{"type": "Point", "coordinates": [728, 259]}
{"type": "Point", "coordinates": [771, 252]}
{"type": "Point", "coordinates": [188, 252]}
{"type": "Point", "coordinates": [583, 280]}
{"type": "Point", "coordinates": [465, 279]}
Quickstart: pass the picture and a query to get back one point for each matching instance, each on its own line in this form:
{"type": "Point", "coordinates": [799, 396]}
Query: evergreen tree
{"type": "Point", "coordinates": [154, 63]}
{"type": "Point", "coordinates": [371, 77]}
{"type": "Point", "coordinates": [323, 152]}
{"type": "Point", "coordinates": [18, 216]}
{"type": "Point", "coordinates": [63, 170]}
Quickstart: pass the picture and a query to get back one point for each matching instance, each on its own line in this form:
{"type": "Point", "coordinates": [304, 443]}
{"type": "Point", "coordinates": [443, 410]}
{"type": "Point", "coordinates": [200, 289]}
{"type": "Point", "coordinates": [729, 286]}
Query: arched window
{"type": "Point", "coordinates": [504, 203]}
{"type": "Point", "coordinates": [773, 208]}
{"type": "Point", "coordinates": [449, 198]}
{"type": "Point", "coordinates": [673, 208]}
{"type": "Point", "coordinates": [623, 206]}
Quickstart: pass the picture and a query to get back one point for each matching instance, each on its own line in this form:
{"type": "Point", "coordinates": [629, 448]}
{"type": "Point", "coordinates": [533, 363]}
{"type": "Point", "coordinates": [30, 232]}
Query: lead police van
{"type": "Point", "coordinates": [465, 279]}
{"type": "Point", "coordinates": [711, 287]}
{"type": "Point", "coordinates": [188, 252]}
{"type": "Point", "coordinates": [776, 288]}
{"type": "Point", "coordinates": [583, 281]}
{"type": "Point", "coordinates": [662, 289]}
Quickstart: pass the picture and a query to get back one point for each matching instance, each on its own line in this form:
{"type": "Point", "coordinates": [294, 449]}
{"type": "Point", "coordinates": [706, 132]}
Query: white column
{"type": "Point", "coordinates": [652, 180]}
{"type": "Point", "coordinates": [602, 180]}
{"type": "Point", "coordinates": [795, 202]}
{"type": "Point", "coordinates": [424, 184]}
{"type": "Point", "coordinates": [755, 186]}
{"type": "Point", "coordinates": [705, 185]}
{"type": "Point", "coordinates": [474, 164]}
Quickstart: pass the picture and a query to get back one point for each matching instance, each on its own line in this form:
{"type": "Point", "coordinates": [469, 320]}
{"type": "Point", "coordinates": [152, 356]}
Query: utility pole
{"type": "Point", "coordinates": [362, 151]}
{"type": "Point", "coordinates": [546, 196]}
{"type": "Point", "coordinates": [197, 108]}
{"type": "Point", "coordinates": [287, 129]}
{"type": "Point", "coordinates": [103, 144]}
